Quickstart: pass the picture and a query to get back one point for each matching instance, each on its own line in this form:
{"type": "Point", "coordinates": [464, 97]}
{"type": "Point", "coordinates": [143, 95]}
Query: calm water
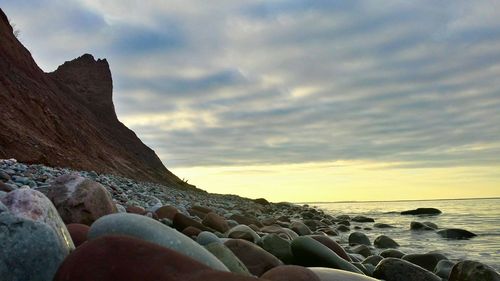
{"type": "Point", "coordinates": [481, 216]}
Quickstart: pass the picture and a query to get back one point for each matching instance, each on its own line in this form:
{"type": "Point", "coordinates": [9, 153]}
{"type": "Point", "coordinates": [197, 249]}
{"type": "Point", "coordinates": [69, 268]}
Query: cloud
{"type": "Point", "coordinates": [278, 82]}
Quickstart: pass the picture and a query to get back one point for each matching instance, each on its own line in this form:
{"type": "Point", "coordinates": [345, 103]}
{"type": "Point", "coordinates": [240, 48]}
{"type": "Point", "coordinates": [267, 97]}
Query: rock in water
{"type": "Point", "coordinates": [392, 269]}
{"type": "Point", "coordinates": [362, 219]}
{"type": "Point", "coordinates": [330, 274]}
{"type": "Point", "coordinates": [443, 268]}
{"type": "Point", "coordinates": [427, 261]}
{"type": "Point", "coordinates": [473, 270]}
{"type": "Point", "coordinates": [114, 258]}
{"type": "Point", "coordinates": [422, 211]}
{"type": "Point", "coordinates": [153, 231]}
{"type": "Point", "coordinates": [385, 242]}
{"type": "Point", "coordinates": [80, 200]}
{"type": "Point", "coordinates": [357, 238]}
{"type": "Point", "coordinates": [456, 233]}
{"type": "Point", "coordinates": [29, 250]}
{"type": "Point", "coordinates": [33, 205]}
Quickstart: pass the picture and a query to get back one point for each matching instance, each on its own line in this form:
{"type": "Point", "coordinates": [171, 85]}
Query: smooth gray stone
{"type": "Point", "coordinates": [443, 268]}
{"type": "Point", "coordinates": [155, 232]}
{"type": "Point", "coordinates": [415, 225]}
{"type": "Point", "coordinates": [29, 250]}
{"type": "Point", "coordinates": [309, 252]}
{"type": "Point", "coordinates": [427, 261]}
{"type": "Point", "coordinates": [456, 233]}
{"type": "Point", "coordinates": [373, 260]}
{"type": "Point", "coordinates": [363, 250]}
{"type": "Point", "coordinates": [207, 237]}
{"type": "Point", "coordinates": [362, 267]}
{"type": "Point", "coordinates": [393, 269]}
{"type": "Point", "coordinates": [278, 247]}
{"type": "Point", "coordinates": [228, 258]}
{"type": "Point", "coordinates": [330, 274]}
{"type": "Point", "coordinates": [362, 219]}
{"type": "Point", "coordinates": [392, 253]}
{"type": "Point", "coordinates": [359, 238]}
{"type": "Point", "coordinates": [472, 270]}
{"type": "Point", "coordinates": [243, 232]}
{"type": "Point", "coordinates": [385, 242]}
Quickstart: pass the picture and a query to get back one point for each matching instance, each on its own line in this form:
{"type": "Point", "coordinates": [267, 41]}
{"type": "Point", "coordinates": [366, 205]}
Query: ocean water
{"type": "Point", "coordinates": [481, 216]}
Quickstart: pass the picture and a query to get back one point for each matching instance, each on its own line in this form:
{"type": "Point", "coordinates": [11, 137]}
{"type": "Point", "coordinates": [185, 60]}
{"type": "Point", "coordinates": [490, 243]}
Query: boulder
{"type": "Point", "coordinates": [422, 211]}
{"type": "Point", "coordinates": [78, 232]}
{"type": "Point", "coordinates": [228, 258]}
{"type": "Point", "coordinates": [356, 238]}
{"type": "Point", "coordinates": [243, 232]}
{"type": "Point", "coordinates": [456, 233]}
{"type": "Point", "coordinates": [392, 269]}
{"type": "Point", "coordinates": [207, 237]}
{"type": "Point", "coordinates": [166, 212]}
{"type": "Point", "coordinates": [373, 260]}
{"type": "Point", "coordinates": [427, 261]}
{"type": "Point", "coordinates": [182, 221]}
{"type": "Point", "coordinates": [278, 247]}
{"type": "Point", "coordinates": [300, 228]}
{"type": "Point", "coordinates": [382, 225]}
{"type": "Point", "coordinates": [443, 268]}
{"type": "Point", "coordinates": [472, 270]}
{"type": "Point", "coordinates": [80, 200]}
{"type": "Point", "coordinates": [362, 219]}
{"type": "Point", "coordinates": [385, 242]}
{"type": "Point", "coordinates": [256, 260]}
{"type": "Point", "coordinates": [216, 222]}
{"type": "Point", "coordinates": [362, 250]}
{"type": "Point", "coordinates": [332, 245]}
{"type": "Point", "coordinates": [415, 225]}
{"type": "Point", "coordinates": [392, 253]}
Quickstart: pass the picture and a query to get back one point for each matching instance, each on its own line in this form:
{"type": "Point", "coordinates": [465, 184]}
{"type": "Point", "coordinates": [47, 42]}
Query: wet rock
{"type": "Point", "coordinates": [456, 233]}
{"type": "Point", "coordinates": [362, 250]}
{"type": "Point", "coordinates": [392, 269]}
{"type": "Point", "coordinates": [343, 228]}
{"type": "Point", "coordinates": [155, 232]}
{"type": "Point", "coordinates": [392, 253]}
{"type": "Point", "coordinates": [344, 222]}
{"type": "Point", "coordinates": [228, 258]}
{"type": "Point", "coordinates": [309, 252]}
{"type": "Point", "coordinates": [343, 218]}
{"type": "Point", "coordinates": [78, 232]}
{"type": "Point", "coordinates": [330, 274]}
{"type": "Point", "coordinates": [362, 219]}
{"type": "Point", "coordinates": [80, 200]}
{"type": "Point", "coordinates": [422, 211]}
{"type": "Point", "coordinates": [427, 261]}
{"type": "Point", "coordinates": [300, 228]}
{"type": "Point", "coordinates": [373, 260]}
{"type": "Point", "coordinates": [111, 258]}
{"type": "Point", "coordinates": [356, 238]}
{"type": "Point", "coordinates": [385, 242]}
{"type": "Point", "coordinates": [290, 273]}
{"type": "Point", "coordinates": [33, 205]}
{"type": "Point", "coordinates": [216, 222]}
{"type": "Point", "coordinates": [382, 225]}
{"type": "Point", "coordinates": [472, 270]}
{"type": "Point", "coordinates": [243, 232]}
{"type": "Point", "coordinates": [256, 260]}
{"type": "Point", "coordinates": [278, 247]}
{"type": "Point", "coordinates": [30, 250]}
{"type": "Point", "coordinates": [443, 268]}
{"type": "Point", "coordinates": [332, 245]}
{"type": "Point", "coordinates": [415, 225]}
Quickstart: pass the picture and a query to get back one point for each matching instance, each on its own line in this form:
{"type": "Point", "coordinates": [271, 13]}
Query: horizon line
{"type": "Point", "coordinates": [397, 200]}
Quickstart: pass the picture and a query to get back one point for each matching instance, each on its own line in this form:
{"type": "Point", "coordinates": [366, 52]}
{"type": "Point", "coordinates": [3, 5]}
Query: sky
{"type": "Point", "coordinates": [299, 101]}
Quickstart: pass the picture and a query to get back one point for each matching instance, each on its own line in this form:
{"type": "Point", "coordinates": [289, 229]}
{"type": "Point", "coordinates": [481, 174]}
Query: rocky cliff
{"type": "Point", "coordinates": [67, 117]}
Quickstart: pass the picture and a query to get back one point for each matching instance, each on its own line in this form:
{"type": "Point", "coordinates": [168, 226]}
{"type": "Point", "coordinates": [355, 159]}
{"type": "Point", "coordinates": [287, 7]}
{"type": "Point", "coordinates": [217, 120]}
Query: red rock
{"type": "Point", "coordinates": [216, 222]}
{"type": "Point", "coordinates": [136, 210]}
{"type": "Point", "coordinates": [191, 231]}
{"type": "Point", "coordinates": [182, 221]}
{"type": "Point", "coordinates": [201, 209]}
{"type": "Point", "coordinates": [4, 187]}
{"type": "Point", "coordinates": [166, 212]}
{"type": "Point", "coordinates": [67, 117]}
{"type": "Point", "coordinates": [78, 233]}
{"type": "Point", "coordinates": [247, 220]}
{"type": "Point", "coordinates": [332, 245]}
{"type": "Point", "coordinates": [290, 273]}
{"type": "Point", "coordinates": [80, 200]}
{"type": "Point", "coordinates": [112, 258]}
{"type": "Point", "coordinates": [256, 259]}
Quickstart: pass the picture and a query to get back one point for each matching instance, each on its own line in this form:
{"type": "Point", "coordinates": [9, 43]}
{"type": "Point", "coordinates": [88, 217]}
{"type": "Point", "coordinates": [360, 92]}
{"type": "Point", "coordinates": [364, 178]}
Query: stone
{"type": "Point", "coordinates": [135, 210]}
{"type": "Point", "coordinates": [166, 212]}
{"type": "Point", "coordinates": [373, 260]}
{"type": "Point", "coordinates": [4, 176]}
{"type": "Point", "coordinates": [392, 269]}
{"type": "Point", "coordinates": [111, 258]}
{"type": "Point", "coordinates": [443, 268]}
{"type": "Point", "coordinates": [309, 252]}
{"type": "Point", "coordinates": [427, 261]}
{"type": "Point", "coordinates": [243, 232]}
{"type": "Point", "coordinates": [34, 205]}
{"type": "Point", "coordinates": [456, 234]}
{"type": "Point", "coordinates": [361, 249]}
{"type": "Point", "coordinates": [356, 238]}
{"type": "Point", "coordinates": [78, 232]}
{"type": "Point", "coordinates": [262, 201]}
{"type": "Point", "coordinates": [80, 200]}
{"type": "Point", "coordinates": [152, 231]}
{"type": "Point", "coordinates": [290, 273]}
{"type": "Point", "coordinates": [330, 274]}
{"type": "Point", "coordinates": [343, 218]}
{"type": "Point", "coordinates": [216, 222]}
{"type": "Point", "coordinates": [344, 222]}
{"type": "Point", "coordinates": [182, 221]}
{"type": "Point", "coordinates": [300, 228]}
{"type": "Point", "coordinates": [332, 245]}
{"type": "Point", "coordinates": [30, 250]}
{"type": "Point", "coordinates": [415, 225]}
{"type": "Point", "coordinates": [422, 211]}
{"type": "Point", "coordinates": [382, 225]}
{"type": "Point", "coordinates": [207, 237]}
{"type": "Point", "coordinates": [362, 219]}
{"type": "Point", "coordinates": [343, 228]}
{"type": "Point", "coordinates": [430, 224]}
{"type": "Point", "coordinates": [472, 270]}
{"type": "Point", "coordinates": [278, 247]}
{"type": "Point", "coordinates": [392, 253]}
{"type": "Point", "coordinates": [256, 260]}
{"type": "Point", "coordinates": [191, 231]}
{"type": "Point", "coordinates": [228, 258]}
{"type": "Point", "coordinates": [384, 242]}
{"type": "Point", "coordinates": [6, 187]}
{"type": "Point", "coordinates": [246, 220]}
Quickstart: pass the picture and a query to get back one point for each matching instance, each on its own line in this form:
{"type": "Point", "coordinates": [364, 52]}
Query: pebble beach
{"type": "Point", "coordinates": [60, 224]}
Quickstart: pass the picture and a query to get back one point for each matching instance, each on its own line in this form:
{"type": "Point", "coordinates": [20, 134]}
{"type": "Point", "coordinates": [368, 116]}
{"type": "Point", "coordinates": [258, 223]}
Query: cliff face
{"type": "Point", "coordinates": [67, 117]}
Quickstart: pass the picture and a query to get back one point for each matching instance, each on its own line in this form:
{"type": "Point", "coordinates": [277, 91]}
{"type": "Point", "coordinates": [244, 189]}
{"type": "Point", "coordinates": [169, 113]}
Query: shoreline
{"type": "Point", "coordinates": [255, 236]}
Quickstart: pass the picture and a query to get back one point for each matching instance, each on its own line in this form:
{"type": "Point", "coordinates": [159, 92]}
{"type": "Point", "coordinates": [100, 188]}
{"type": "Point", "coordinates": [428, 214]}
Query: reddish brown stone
{"type": "Point", "coordinates": [256, 259]}
{"type": "Point", "coordinates": [247, 220]}
{"type": "Point", "coordinates": [78, 232]}
{"type": "Point", "coordinates": [136, 210]}
{"type": "Point", "coordinates": [216, 222]}
{"type": "Point", "coordinates": [181, 221]}
{"type": "Point", "coordinates": [290, 273]}
{"type": "Point", "coordinates": [191, 231]}
{"type": "Point", "coordinates": [166, 212]}
{"type": "Point", "coordinates": [4, 187]}
{"type": "Point", "coordinates": [112, 258]}
{"type": "Point", "coordinates": [332, 245]}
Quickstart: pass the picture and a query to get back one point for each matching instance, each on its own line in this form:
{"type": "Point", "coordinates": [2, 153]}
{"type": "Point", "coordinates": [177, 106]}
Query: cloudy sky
{"type": "Point", "coordinates": [297, 100]}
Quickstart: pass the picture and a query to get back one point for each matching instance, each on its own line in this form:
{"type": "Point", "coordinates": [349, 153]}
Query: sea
{"type": "Point", "coordinates": [480, 216]}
